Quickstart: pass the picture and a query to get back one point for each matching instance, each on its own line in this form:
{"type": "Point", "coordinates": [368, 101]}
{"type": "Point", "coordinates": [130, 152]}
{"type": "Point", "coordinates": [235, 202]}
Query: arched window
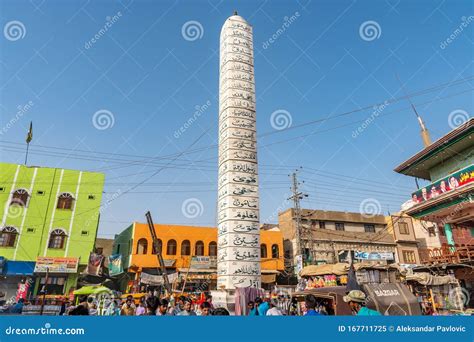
{"type": "Point", "coordinates": [186, 247]}
{"type": "Point", "coordinates": [213, 248]}
{"type": "Point", "coordinates": [65, 201]}
{"type": "Point", "coordinates": [20, 197]}
{"type": "Point", "coordinates": [171, 247]}
{"type": "Point", "coordinates": [57, 239]}
{"type": "Point", "coordinates": [8, 236]}
{"type": "Point", "coordinates": [142, 246]}
{"type": "Point", "coordinates": [263, 250]}
{"type": "Point", "coordinates": [160, 247]}
{"type": "Point", "coordinates": [199, 249]}
{"type": "Point", "coordinates": [275, 251]}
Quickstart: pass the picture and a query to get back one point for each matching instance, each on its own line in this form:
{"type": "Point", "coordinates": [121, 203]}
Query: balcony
{"type": "Point", "coordinates": [456, 254]}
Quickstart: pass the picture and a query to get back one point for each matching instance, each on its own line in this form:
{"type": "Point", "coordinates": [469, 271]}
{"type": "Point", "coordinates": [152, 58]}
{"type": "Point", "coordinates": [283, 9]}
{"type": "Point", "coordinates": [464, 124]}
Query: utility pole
{"type": "Point", "coordinates": [159, 255]}
{"type": "Point", "coordinates": [301, 237]}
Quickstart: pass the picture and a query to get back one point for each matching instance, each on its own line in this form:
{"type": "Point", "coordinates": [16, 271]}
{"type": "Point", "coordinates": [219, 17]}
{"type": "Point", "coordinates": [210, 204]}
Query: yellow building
{"type": "Point", "coordinates": [189, 251]}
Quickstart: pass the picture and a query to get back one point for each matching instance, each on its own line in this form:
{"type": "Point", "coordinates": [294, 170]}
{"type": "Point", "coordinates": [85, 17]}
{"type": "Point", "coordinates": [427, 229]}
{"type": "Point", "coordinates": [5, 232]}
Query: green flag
{"type": "Point", "coordinates": [29, 137]}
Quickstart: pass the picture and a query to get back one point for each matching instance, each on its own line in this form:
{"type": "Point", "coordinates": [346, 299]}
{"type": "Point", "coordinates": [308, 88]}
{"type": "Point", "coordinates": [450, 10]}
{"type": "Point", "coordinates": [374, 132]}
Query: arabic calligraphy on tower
{"type": "Point", "coordinates": [238, 253]}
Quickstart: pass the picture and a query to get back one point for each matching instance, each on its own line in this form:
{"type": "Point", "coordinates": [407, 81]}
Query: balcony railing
{"type": "Point", "coordinates": [447, 254]}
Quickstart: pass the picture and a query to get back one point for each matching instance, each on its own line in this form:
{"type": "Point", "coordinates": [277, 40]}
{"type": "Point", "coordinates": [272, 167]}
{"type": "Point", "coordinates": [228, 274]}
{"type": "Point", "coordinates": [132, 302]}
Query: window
{"type": "Point", "coordinates": [275, 251]}
{"type": "Point", "coordinates": [263, 250]}
{"type": "Point", "coordinates": [186, 247]}
{"type": "Point", "coordinates": [2, 189]}
{"type": "Point", "coordinates": [84, 232]}
{"type": "Point", "coordinates": [159, 245]}
{"type": "Point", "coordinates": [369, 228]}
{"type": "Point", "coordinates": [409, 257]}
{"type": "Point", "coordinates": [322, 225]}
{"type": "Point", "coordinates": [8, 237]}
{"type": "Point", "coordinates": [40, 193]}
{"type": "Point", "coordinates": [171, 247]}
{"type": "Point", "coordinates": [431, 231]}
{"type": "Point", "coordinates": [65, 201]}
{"type": "Point", "coordinates": [118, 248]}
{"type": "Point", "coordinates": [441, 231]}
{"type": "Point", "coordinates": [91, 197]}
{"type": "Point", "coordinates": [403, 228]}
{"type": "Point", "coordinates": [55, 285]}
{"type": "Point", "coordinates": [339, 226]}
{"type": "Point", "coordinates": [199, 249]}
{"type": "Point", "coordinates": [213, 248]}
{"type": "Point", "coordinates": [142, 246]}
{"type": "Point", "coordinates": [57, 239]}
{"type": "Point", "coordinates": [30, 230]}
{"type": "Point", "coordinates": [20, 197]}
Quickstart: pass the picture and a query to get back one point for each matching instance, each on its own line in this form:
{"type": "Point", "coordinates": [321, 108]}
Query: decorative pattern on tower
{"type": "Point", "coordinates": [238, 202]}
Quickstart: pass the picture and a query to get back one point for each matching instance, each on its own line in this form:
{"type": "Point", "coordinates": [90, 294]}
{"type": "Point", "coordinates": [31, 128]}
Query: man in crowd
{"type": "Point", "coordinates": [262, 306]}
{"type": "Point", "coordinates": [357, 300]}
{"type": "Point", "coordinates": [162, 309]}
{"type": "Point", "coordinates": [310, 303]}
{"type": "Point", "coordinates": [274, 311]}
{"type": "Point", "coordinates": [187, 308]}
{"type": "Point", "coordinates": [205, 309]}
{"type": "Point", "coordinates": [82, 309]}
{"type": "Point", "coordinates": [252, 310]}
{"type": "Point", "coordinates": [128, 309]}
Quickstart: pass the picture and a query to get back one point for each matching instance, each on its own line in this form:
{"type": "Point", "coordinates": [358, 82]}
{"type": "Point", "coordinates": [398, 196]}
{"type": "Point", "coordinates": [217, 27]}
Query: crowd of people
{"type": "Point", "coordinates": [149, 305]}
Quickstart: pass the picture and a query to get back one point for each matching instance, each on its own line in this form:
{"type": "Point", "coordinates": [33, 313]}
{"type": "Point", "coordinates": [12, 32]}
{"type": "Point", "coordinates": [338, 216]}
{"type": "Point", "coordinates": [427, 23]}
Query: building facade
{"type": "Point", "coordinates": [336, 237]}
{"type": "Point", "coordinates": [189, 251]}
{"type": "Point", "coordinates": [448, 200]}
{"type": "Point", "coordinates": [49, 221]}
{"type": "Point", "coordinates": [404, 235]}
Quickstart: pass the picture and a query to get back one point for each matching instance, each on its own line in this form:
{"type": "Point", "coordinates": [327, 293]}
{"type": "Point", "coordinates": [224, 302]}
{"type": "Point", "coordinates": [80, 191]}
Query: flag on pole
{"type": "Point", "coordinates": [29, 137]}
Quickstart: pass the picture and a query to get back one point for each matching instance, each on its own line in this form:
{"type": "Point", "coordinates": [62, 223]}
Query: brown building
{"type": "Point", "coordinates": [104, 247]}
{"type": "Point", "coordinates": [402, 228]}
{"type": "Point", "coordinates": [331, 236]}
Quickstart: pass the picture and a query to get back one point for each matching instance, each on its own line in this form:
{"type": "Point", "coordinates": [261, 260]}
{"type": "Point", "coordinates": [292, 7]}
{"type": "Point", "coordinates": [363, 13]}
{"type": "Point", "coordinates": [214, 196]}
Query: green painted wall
{"type": "Point", "coordinates": [35, 221]}
{"type": "Point", "coordinates": [122, 245]}
{"type": "Point", "coordinates": [453, 164]}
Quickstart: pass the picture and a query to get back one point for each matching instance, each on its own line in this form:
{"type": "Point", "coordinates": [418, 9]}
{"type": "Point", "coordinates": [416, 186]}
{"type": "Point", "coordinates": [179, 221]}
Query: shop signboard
{"type": "Point", "coordinates": [449, 183]}
{"type": "Point", "coordinates": [151, 279]}
{"type": "Point", "coordinates": [56, 265]}
{"type": "Point", "coordinates": [115, 264]}
{"type": "Point", "coordinates": [360, 255]}
{"type": "Point", "coordinates": [203, 262]}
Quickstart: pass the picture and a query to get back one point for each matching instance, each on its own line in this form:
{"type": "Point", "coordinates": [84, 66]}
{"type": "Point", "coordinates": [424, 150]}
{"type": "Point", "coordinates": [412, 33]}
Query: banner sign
{"type": "Point", "coordinates": [447, 184]}
{"type": "Point", "coordinates": [56, 265]}
{"type": "Point", "coordinates": [94, 263]}
{"type": "Point", "coordinates": [22, 290]}
{"type": "Point", "coordinates": [115, 264]}
{"type": "Point", "coordinates": [373, 255]}
{"type": "Point", "coordinates": [151, 279]}
{"type": "Point", "coordinates": [203, 262]}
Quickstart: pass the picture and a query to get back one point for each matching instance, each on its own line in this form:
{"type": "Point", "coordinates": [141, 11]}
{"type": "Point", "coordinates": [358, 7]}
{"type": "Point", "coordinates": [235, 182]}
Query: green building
{"type": "Point", "coordinates": [49, 222]}
{"type": "Point", "coordinates": [448, 200]}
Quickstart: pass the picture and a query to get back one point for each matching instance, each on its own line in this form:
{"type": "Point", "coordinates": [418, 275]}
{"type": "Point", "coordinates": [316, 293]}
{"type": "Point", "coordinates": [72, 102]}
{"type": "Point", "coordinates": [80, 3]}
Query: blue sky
{"type": "Point", "coordinates": [148, 75]}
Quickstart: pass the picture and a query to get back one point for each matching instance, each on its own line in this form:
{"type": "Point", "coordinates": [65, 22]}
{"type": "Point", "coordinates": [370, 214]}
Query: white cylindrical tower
{"type": "Point", "coordinates": [238, 257]}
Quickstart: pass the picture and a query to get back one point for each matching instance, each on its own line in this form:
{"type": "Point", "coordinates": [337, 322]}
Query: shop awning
{"type": "Point", "coordinates": [21, 268]}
